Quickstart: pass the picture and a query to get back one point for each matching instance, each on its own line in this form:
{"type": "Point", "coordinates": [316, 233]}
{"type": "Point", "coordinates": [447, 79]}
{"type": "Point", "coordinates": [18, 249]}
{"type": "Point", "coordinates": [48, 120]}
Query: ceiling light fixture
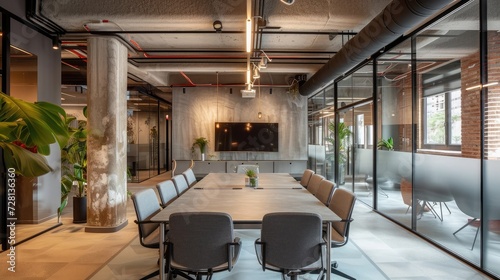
{"type": "Point", "coordinates": [249, 35]}
{"type": "Point", "coordinates": [217, 26]}
{"type": "Point", "coordinates": [287, 2]}
{"type": "Point", "coordinates": [256, 73]}
{"type": "Point", "coordinates": [264, 60]}
{"type": "Point", "coordinates": [217, 93]}
{"type": "Point", "coordinates": [56, 44]}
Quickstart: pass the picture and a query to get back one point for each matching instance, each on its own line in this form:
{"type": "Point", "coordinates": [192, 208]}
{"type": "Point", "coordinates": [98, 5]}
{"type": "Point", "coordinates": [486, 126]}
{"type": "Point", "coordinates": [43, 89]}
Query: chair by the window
{"type": "Point", "coordinates": [313, 184]}
{"type": "Point", "coordinates": [146, 206]}
{"type": "Point", "coordinates": [167, 192]}
{"type": "Point", "coordinates": [342, 204]}
{"type": "Point", "coordinates": [201, 243]}
{"type": "Point", "coordinates": [306, 176]}
{"type": "Point", "coordinates": [190, 177]}
{"type": "Point", "coordinates": [325, 191]}
{"type": "Point", "coordinates": [291, 243]}
{"type": "Point", "coordinates": [174, 166]}
{"type": "Point", "coordinates": [180, 184]}
{"type": "Point", "coordinates": [242, 168]}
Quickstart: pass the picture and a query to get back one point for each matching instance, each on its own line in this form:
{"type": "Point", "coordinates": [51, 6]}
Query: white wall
{"type": "Point", "coordinates": [195, 113]}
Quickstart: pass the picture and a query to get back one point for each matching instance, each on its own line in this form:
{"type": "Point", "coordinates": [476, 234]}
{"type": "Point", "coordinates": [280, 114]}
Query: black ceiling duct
{"type": "Point", "coordinates": [397, 18]}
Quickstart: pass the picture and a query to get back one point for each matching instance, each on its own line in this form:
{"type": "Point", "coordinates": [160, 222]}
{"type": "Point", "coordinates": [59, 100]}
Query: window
{"type": "Point", "coordinates": [442, 121]}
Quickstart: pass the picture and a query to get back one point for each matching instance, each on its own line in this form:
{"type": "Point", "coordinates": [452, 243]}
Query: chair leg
{"type": "Point", "coordinates": [475, 237]}
{"type": "Point", "coordinates": [340, 273]}
{"type": "Point", "coordinates": [151, 275]}
{"type": "Point", "coordinates": [468, 223]}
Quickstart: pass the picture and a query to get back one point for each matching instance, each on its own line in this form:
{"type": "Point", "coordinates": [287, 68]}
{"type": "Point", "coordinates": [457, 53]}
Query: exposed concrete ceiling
{"type": "Point", "coordinates": [173, 43]}
{"type": "Point", "coordinates": [298, 38]}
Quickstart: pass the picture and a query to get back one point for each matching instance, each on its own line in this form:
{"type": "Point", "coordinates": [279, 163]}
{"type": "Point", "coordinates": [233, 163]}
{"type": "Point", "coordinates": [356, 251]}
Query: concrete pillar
{"type": "Point", "coordinates": [107, 136]}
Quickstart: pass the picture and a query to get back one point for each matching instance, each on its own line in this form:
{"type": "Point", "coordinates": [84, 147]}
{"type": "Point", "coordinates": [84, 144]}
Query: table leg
{"type": "Point", "coordinates": [162, 251]}
{"type": "Point", "coordinates": [328, 250]}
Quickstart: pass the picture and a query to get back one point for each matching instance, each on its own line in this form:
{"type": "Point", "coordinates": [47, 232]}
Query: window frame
{"type": "Point", "coordinates": [447, 146]}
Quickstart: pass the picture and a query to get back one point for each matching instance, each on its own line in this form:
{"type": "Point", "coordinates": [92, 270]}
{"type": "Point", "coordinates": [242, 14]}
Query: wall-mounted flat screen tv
{"type": "Point", "coordinates": [255, 137]}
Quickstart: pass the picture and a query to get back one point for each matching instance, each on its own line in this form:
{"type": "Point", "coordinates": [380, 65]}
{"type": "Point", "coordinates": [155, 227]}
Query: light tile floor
{"type": "Point", "coordinates": [67, 252]}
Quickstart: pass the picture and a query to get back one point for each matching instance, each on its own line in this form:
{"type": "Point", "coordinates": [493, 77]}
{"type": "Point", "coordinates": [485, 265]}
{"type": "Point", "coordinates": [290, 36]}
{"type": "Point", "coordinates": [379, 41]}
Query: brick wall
{"type": "Point", "coordinates": [471, 114]}
{"type": "Point", "coordinates": [492, 107]}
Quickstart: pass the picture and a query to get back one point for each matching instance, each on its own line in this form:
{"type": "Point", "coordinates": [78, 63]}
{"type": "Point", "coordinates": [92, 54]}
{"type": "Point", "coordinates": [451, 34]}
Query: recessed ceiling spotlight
{"type": "Point", "coordinates": [287, 2]}
{"type": "Point", "coordinates": [217, 26]}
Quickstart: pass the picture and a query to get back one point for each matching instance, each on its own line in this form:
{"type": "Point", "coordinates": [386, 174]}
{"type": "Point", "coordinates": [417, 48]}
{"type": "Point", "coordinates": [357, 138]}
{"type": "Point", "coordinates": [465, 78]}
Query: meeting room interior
{"type": "Point", "coordinates": [250, 139]}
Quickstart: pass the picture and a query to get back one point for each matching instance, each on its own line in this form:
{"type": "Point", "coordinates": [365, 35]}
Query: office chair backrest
{"type": "Point", "coordinates": [291, 240]}
{"type": "Point", "coordinates": [313, 184]}
{"type": "Point", "coordinates": [342, 204]}
{"type": "Point", "coordinates": [167, 192]}
{"type": "Point", "coordinates": [242, 168]}
{"type": "Point", "coordinates": [146, 206]}
{"type": "Point", "coordinates": [325, 191]}
{"type": "Point", "coordinates": [190, 177]}
{"type": "Point", "coordinates": [174, 166]}
{"type": "Point", "coordinates": [200, 239]}
{"type": "Point", "coordinates": [180, 184]}
{"type": "Point", "coordinates": [306, 176]}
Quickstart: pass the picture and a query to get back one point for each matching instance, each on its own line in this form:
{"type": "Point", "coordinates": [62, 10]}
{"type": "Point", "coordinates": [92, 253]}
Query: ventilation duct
{"type": "Point", "coordinates": [397, 18]}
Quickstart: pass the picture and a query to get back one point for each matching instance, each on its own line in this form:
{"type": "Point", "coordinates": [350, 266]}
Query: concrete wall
{"type": "Point", "coordinates": [195, 113]}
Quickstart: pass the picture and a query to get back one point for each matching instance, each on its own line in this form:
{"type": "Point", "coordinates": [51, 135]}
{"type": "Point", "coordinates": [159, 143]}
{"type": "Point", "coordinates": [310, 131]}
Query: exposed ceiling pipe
{"type": "Point", "coordinates": [396, 19]}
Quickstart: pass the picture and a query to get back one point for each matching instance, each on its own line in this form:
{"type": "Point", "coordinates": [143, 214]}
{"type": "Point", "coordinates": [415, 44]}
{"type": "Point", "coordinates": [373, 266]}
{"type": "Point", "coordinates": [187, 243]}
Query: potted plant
{"type": "Point", "coordinates": [386, 144]}
{"type": "Point", "coordinates": [201, 142]}
{"type": "Point", "coordinates": [252, 178]}
{"type": "Point", "coordinates": [344, 134]}
{"type": "Point", "coordinates": [26, 131]}
{"type": "Point", "coordinates": [74, 169]}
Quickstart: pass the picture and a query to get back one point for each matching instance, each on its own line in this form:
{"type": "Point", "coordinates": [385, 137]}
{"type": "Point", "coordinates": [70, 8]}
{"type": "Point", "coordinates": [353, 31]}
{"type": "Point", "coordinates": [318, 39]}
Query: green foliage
{"type": "Point", "coordinates": [250, 173]}
{"type": "Point", "coordinates": [386, 144]}
{"type": "Point", "coordinates": [74, 156]}
{"type": "Point", "coordinates": [344, 134]}
{"type": "Point", "coordinates": [26, 132]}
{"type": "Point", "coordinates": [201, 142]}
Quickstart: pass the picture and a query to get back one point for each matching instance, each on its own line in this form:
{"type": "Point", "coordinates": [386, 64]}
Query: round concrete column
{"type": "Point", "coordinates": [107, 135]}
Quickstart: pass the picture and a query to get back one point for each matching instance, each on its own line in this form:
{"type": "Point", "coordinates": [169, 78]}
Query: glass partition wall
{"type": "Point", "coordinates": [430, 108]}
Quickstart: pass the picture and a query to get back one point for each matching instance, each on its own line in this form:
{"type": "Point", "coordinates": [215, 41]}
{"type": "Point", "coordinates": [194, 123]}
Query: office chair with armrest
{"type": "Point", "coordinates": [291, 243]}
{"type": "Point", "coordinates": [180, 184]}
{"type": "Point", "coordinates": [201, 243]}
{"type": "Point", "coordinates": [313, 184]}
{"type": "Point", "coordinates": [190, 177]}
{"type": "Point", "coordinates": [342, 204]}
{"type": "Point", "coordinates": [306, 176]}
{"type": "Point", "coordinates": [167, 192]}
{"type": "Point", "coordinates": [174, 166]}
{"type": "Point", "coordinates": [325, 191]}
{"type": "Point", "coordinates": [146, 206]}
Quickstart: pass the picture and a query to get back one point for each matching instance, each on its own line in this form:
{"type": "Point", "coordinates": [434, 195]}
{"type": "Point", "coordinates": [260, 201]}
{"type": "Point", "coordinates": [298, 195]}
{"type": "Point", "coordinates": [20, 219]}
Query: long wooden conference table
{"type": "Point", "coordinates": [226, 192]}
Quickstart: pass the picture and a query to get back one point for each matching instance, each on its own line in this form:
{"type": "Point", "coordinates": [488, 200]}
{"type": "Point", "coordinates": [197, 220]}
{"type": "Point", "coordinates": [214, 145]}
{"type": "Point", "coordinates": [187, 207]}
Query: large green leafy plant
{"type": "Point", "coordinates": [74, 160]}
{"type": "Point", "coordinates": [344, 134]}
{"type": "Point", "coordinates": [26, 132]}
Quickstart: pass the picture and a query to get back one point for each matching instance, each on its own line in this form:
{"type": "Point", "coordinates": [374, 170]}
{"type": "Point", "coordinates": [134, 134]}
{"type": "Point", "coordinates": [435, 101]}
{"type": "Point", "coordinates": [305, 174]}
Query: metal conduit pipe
{"type": "Point", "coordinates": [397, 18]}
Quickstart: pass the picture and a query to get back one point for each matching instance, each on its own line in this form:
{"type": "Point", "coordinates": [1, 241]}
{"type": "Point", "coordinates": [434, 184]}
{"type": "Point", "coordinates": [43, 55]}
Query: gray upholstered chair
{"type": "Point", "coordinates": [306, 176]}
{"type": "Point", "coordinates": [313, 184]}
{"type": "Point", "coordinates": [325, 191]}
{"type": "Point", "coordinates": [291, 243]}
{"type": "Point", "coordinates": [146, 206]}
{"type": "Point", "coordinates": [190, 177]}
{"type": "Point", "coordinates": [342, 204]}
{"type": "Point", "coordinates": [180, 184]}
{"type": "Point", "coordinates": [201, 243]}
{"type": "Point", "coordinates": [167, 192]}
{"type": "Point", "coordinates": [242, 168]}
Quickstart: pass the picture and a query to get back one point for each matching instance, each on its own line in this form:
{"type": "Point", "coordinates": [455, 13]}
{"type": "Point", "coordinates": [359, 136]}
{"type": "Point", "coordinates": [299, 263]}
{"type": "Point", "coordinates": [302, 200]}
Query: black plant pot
{"type": "Point", "coordinates": [79, 210]}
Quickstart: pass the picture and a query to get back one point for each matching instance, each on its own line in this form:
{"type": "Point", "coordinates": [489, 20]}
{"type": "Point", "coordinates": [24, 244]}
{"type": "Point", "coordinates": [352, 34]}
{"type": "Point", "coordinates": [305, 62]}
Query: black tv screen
{"type": "Point", "coordinates": [259, 137]}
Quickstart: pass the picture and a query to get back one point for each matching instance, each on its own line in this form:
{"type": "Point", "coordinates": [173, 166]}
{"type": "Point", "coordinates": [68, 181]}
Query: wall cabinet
{"type": "Point", "coordinates": [202, 168]}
